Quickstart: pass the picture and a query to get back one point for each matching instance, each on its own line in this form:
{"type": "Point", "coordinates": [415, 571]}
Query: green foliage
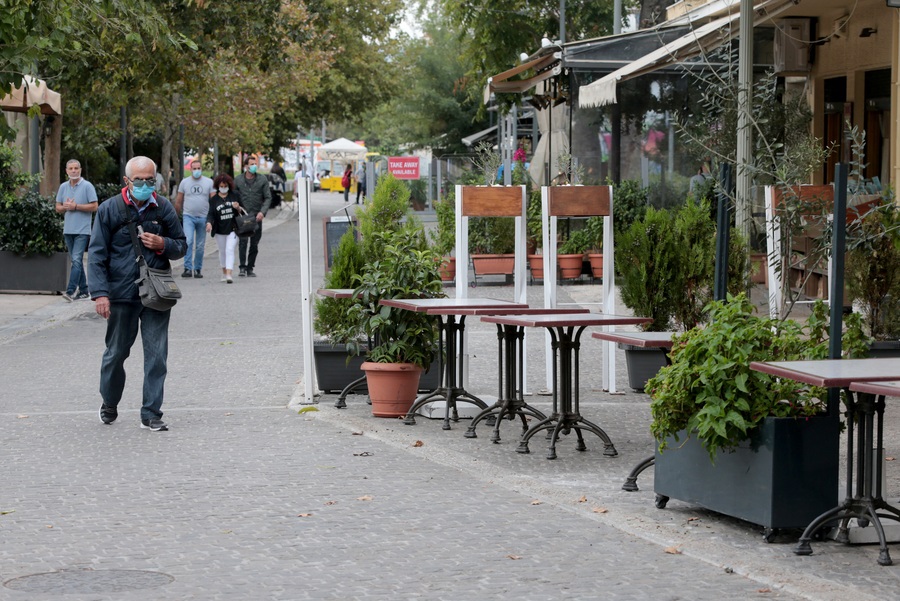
{"type": "Point", "coordinates": [709, 390]}
{"type": "Point", "coordinates": [593, 227]}
{"type": "Point", "coordinates": [492, 235]}
{"type": "Point", "coordinates": [30, 225]}
{"type": "Point", "coordinates": [646, 266]}
{"type": "Point", "coordinates": [444, 237]}
{"type": "Point", "coordinates": [382, 213]}
{"type": "Point", "coordinates": [667, 265]}
{"type": "Point", "coordinates": [577, 243]}
{"type": "Point", "coordinates": [873, 269]}
{"type": "Point", "coordinates": [629, 205]}
{"type": "Point", "coordinates": [332, 318]}
{"type": "Point", "coordinates": [12, 180]}
{"type": "Point", "coordinates": [407, 269]}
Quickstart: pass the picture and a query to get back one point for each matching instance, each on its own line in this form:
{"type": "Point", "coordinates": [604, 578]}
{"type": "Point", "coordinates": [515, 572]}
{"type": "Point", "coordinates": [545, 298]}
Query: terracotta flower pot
{"type": "Point", "coordinates": [447, 269]}
{"type": "Point", "coordinates": [536, 264]}
{"type": "Point", "coordinates": [392, 387]}
{"type": "Point", "coordinates": [596, 260]}
{"type": "Point", "coordinates": [569, 266]}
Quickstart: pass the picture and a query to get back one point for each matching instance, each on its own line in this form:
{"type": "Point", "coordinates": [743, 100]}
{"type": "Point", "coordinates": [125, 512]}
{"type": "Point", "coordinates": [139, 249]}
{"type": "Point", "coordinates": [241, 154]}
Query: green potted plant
{"type": "Point", "coordinates": [666, 265]}
{"type": "Point", "coordinates": [32, 248]}
{"type": "Point", "coordinates": [335, 368]}
{"type": "Point", "coordinates": [443, 238]}
{"type": "Point", "coordinates": [594, 229]}
{"type": "Point", "coordinates": [872, 274]}
{"type": "Point", "coordinates": [738, 441]}
{"type": "Point", "coordinates": [570, 254]}
{"type": "Point", "coordinates": [408, 342]}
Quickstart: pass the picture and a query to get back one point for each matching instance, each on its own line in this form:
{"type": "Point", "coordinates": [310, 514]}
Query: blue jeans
{"type": "Point", "coordinates": [195, 234]}
{"type": "Point", "coordinates": [77, 244]}
{"type": "Point", "coordinates": [121, 332]}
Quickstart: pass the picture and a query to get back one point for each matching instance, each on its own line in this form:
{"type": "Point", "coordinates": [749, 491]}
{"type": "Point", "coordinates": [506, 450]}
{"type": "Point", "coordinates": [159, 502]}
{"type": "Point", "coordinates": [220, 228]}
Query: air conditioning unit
{"type": "Point", "coordinates": [792, 38]}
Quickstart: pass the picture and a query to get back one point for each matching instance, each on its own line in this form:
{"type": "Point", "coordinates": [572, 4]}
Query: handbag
{"type": "Point", "coordinates": [244, 224]}
{"type": "Point", "coordinates": [156, 287]}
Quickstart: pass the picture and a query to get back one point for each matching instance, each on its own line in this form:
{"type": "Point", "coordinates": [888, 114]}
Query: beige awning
{"type": "Point", "coordinates": [697, 42]}
{"type": "Point", "coordinates": [544, 67]}
{"type": "Point", "coordinates": [32, 92]}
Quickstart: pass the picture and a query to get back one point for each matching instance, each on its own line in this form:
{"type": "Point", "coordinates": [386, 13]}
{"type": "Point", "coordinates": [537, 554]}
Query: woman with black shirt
{"type": "Point", "coordinates": [223, 205]}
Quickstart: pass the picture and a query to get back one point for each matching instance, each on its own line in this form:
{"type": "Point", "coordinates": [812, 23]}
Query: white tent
{"type": "Point", "coordinates": [341, 149]}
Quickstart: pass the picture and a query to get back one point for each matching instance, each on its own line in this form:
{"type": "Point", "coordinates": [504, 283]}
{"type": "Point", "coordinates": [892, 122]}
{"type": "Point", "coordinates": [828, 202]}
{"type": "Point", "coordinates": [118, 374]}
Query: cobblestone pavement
{"type": "Point", "coordinates": [245, 498]}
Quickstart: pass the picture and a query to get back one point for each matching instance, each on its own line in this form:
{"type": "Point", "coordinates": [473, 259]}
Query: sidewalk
{"type": "Point", "coordinates": [245, 499]}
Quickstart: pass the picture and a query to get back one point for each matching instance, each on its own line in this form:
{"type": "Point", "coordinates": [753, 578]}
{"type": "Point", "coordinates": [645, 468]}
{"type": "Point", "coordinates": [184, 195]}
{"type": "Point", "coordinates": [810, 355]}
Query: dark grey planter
{"type": "Point", "coordinates": [34, 273]}
{"type": "Point", "coordinates": [785, 476]}
{"type": "Point", "coordinates": [642, 363]}
{"type": "Point", "coordinates": [884, 349]}
{"type": "Point", "coordinates": [334, 373]}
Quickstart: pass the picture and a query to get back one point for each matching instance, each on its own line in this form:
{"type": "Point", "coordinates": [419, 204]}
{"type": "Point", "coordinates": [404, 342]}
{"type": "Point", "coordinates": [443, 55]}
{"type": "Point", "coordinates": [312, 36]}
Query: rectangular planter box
{"type": "Point", "coordinates": [36, 273]}
{"type": "Point", "coordinates": [785, 476]}
{"type": "Point", "coordinates": [642, 363]}
{"type": "Point", "coordinates": [333, 373]}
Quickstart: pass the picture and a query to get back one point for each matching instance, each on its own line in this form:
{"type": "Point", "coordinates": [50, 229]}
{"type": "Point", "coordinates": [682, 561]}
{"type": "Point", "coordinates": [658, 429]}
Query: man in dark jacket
{"type": "Point", "coordinates": [112, 270]}
{"type": "Point", "coordinates": [256, 198]}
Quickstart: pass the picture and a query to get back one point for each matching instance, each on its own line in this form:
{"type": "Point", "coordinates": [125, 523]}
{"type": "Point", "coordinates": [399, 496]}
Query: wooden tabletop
{"type": "Point", "coordinates": [641, 339]}
{"type": "Point", "coordinates": [832, 373]}
{"type": "Point", "coordinates": [520, 311]}
{"type": "Point", "coordinates": [335, 292]}
{"type": "Point", "coordinates": [883, 388]}
{"type": "Point", "coordinates": [449, 306]}
{"type": "Point", "coordinates": [566, 320]}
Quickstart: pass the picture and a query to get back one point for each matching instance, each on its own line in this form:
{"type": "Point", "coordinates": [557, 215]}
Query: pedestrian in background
{"type": "Point", "coordinates": [113, 272]}
{"type": "Point", "coordinates": [361, 182]}
{"type": "Point", "coordinates": [256, 199]}
{"type": "Point", "coordinates": [192, 202]}
{"type": "Point", "coordinates": [346, 181]}
{"type": "Point", "coordinates": [222, 208]}
{"type": "Point", "coordinates": [77, 199]}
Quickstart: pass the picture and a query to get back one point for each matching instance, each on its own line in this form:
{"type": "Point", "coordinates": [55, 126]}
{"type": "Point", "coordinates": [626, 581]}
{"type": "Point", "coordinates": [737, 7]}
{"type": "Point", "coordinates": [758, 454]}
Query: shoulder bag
{"type": "Point", "coordinates": [244, 224]}
{"type": "Point", "coordinates": [156, 287]}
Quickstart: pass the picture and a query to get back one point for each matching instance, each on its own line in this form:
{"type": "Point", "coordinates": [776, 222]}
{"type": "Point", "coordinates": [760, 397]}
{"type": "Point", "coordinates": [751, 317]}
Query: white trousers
{"type": "Point", "coordinates": [227, 243]}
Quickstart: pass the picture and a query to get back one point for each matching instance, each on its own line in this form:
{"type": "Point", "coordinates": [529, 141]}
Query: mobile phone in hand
{"type": "Point", "coordinates": [140, 231]}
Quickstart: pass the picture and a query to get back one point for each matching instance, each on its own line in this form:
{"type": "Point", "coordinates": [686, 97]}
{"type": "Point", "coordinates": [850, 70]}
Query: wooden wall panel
{"type": "Point", "coordinates": [492, 201]}
{"type": "Point", "coordinates": [579, 201]}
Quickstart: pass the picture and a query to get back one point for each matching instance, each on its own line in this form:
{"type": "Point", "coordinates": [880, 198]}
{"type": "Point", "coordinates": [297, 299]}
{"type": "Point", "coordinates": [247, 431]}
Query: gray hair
{"type": "Point", "coordinates": [70, 161]}
{"type": "Point", "coordinates": [138, 162]}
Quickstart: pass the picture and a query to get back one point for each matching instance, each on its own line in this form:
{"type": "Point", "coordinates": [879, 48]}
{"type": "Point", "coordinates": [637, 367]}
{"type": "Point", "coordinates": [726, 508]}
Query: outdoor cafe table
{"type": "Point", "coordinates": [660, 340]}
{"type": "Point", "coordinates": [864, 412]}
{"type": "Point", "coordinates": [341, 402]}
{"type": "Point", "coordinates": [565, 334]}
{"type": "Point", "coordinates": [510, 398]}
{"type": "Point", "coordinates": [452, 333]}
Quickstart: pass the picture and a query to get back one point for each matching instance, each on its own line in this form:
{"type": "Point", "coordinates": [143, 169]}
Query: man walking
{"type": "Point", "coordinates": [192, 202]}
{"type": "Point", "coordinates": [77, 199]}
{"type": "Point", "coordinates": [256, 198]}
{"type": "Point", "coordinates": [113, 270]}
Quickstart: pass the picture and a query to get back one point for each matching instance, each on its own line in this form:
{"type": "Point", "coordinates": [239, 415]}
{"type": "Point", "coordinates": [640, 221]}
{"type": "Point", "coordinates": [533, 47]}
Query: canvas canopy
{"type": "Point", "coordinates": [341, 149]}
{"type": "Point", "coordinates": [32, 92]}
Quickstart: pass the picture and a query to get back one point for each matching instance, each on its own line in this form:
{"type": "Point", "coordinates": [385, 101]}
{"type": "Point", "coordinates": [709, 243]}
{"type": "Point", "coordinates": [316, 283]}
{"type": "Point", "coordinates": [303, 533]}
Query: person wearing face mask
{"type": "Point", "coordinates": [223, 206]}
{"type": "Point", "coordinates": [192, 202]}
{"type": "Point", "coordinates": [256, 198]}
{"type": "Point", "coordinates": [113, 271]}
{"type": "Point", "coordinates": [77, 200]}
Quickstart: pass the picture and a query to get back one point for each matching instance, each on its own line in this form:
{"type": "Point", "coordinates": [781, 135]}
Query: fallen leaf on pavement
{"type": "Point", "coordinates": [583, 499]}
{"type": "Point", "coordinates": [229, 413]}
{"type": "Point", "coordinates": [304, 515]}
{"type": "Point", "coordinates": [7, 511]}
{"type": "Point", "coordinates": [331, 502]}
{"type": "Point", "coordinates": [889, 459]}
{"type": "Point", "coordinates": [356, 433]}
{"type": "Point", "coordinates": [307, 409]}
{"type": "Point", "coordinates": [364, 498]}
{"type": "Point", "coordinates": [514, 556]}
{"type": "Point", "coordinates": [694, 519]}
{"type": "Point", "coordinates": [764, 590]}
{"type": "Point", "coordinates": [22, 416]}
{"type": "Point", "coordinates": [364, 454]}
{"type": "Point", "coordinates": [600, 510]}
{"type": "Point", "coordinates": [672, 550]}
{"type": "Point", "coordinates": [418, 443]}
{"type": "Point", "coordinates": [536, 502]}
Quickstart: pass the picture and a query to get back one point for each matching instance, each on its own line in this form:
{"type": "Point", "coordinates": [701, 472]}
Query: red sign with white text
{"type": "Point", "coordinates": [404, 167]}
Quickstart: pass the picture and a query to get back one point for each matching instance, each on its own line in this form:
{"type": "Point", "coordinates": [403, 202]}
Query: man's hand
{"type": "Point", "coordinates": [259, 217]}
{"type": "Point", "coordinates": [101, 304]}
{"type": "Point", "coordinates": [152, 241]}
{"type": "Point", "coordinates": [208, 227]}
{"type": "Point", "coordinates": [69, 204]}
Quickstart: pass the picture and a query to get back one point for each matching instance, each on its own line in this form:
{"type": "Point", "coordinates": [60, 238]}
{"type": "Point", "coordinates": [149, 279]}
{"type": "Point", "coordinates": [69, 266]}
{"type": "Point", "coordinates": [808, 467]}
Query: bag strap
{"type": "Point", "coordinates": [128, 221]}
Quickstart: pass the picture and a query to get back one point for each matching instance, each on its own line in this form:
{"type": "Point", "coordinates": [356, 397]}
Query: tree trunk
{"type": "Point", "coordinates": [52, 141]}
{"type": "Point", "coordinates": [653, 12]}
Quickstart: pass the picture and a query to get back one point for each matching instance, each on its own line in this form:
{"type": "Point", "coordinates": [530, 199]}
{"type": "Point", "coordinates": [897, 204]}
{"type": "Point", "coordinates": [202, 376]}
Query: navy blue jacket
{"type": "Point", "coordinates": [112, 268]}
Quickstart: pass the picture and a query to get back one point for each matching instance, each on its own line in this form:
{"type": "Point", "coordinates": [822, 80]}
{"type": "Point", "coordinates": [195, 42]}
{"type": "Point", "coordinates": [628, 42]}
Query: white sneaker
{"type": "Point", "coordinates": [224, 278]}
{"type": "Point", "coordinates": [228, 279]}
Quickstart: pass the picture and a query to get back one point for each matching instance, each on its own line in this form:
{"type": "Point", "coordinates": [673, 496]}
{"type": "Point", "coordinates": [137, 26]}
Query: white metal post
{"type": "Point", "coordinates": [306, 289]}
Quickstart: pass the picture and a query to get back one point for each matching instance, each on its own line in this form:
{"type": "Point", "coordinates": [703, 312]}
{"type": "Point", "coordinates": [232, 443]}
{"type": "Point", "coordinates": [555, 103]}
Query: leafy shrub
{"type": "Point", "coordinates": [30, 225]}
